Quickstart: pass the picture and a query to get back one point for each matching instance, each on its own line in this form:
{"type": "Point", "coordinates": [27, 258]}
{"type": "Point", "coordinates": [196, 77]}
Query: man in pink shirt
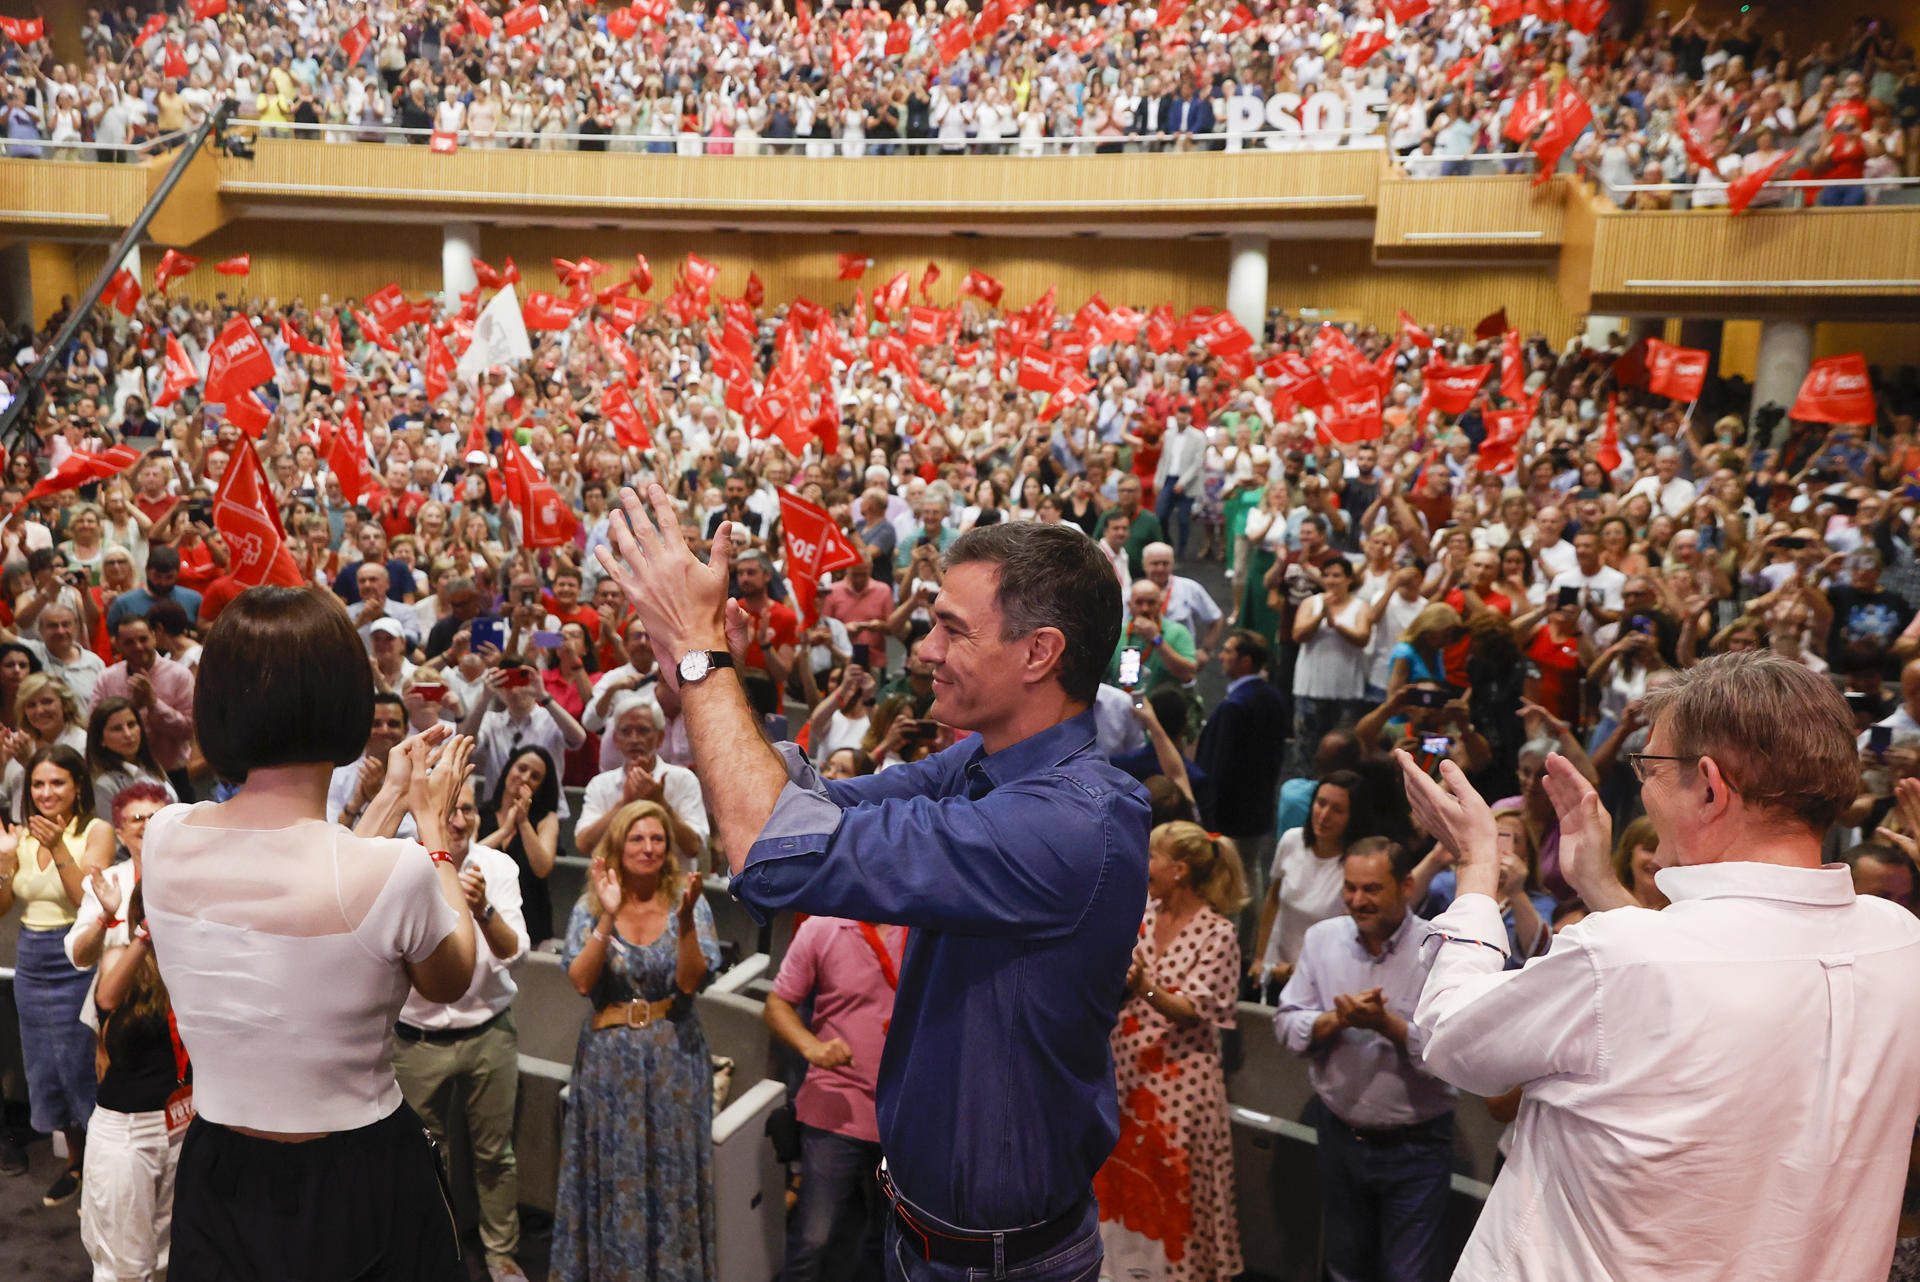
{"type": "Point", "coordinates": [863, 603]}
{"type": "Point", "coordinates": [161, 692]}
{"type": "Point", "coordinates": [850, 969]}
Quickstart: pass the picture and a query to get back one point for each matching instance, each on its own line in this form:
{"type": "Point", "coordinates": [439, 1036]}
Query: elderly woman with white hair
{"type": "Point", "coordinates": [636, 722]}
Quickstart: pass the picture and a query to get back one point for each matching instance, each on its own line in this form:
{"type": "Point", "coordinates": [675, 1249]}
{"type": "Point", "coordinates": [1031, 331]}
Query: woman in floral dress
{"type": "Point", "coordinates": [636, 1162]}
{"type": "Point", "coordinates": [1166, 1193]}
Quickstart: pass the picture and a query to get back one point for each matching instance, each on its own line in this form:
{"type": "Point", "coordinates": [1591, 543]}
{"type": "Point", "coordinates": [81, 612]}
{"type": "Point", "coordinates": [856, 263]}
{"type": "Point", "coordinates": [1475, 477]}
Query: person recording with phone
{"type": "Point", "coordinates": [515, 711]}
{"type": "Point", "coordinates": [1431, 721]}
{"type": "Point", "coordinates": [1164, 648]}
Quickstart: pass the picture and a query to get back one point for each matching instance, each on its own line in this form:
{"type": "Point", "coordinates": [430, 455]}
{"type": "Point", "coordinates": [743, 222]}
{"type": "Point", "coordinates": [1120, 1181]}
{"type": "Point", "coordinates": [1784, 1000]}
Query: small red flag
{"type": "Point", "coordinates": [173, 265]}
{"type": "Point", "coordinates": [1606, 452]}
{"type": "Point", "coordinates": [203, 10]}
{"type": "Point", "coordinates": [347, 457]}
{"type": "Point", "coordinates": [80, 468]}
{"type": "Point", "coordinates": [443, 142]}
{"type": "Point", "coordinates": [478, 20]}
{"type": "Point", "coordinates": [173, 61]}
{"type": "Point", "coordinates": [244, 513]}
{"type": "Point", "coordinates": [237, 362]}
{"type": "Point", "coordinates": [927, 278]}
{"type": "Point", "coordinates": [1362, 47]}
{"type": "Point", "coordinates": [24, 31]}
{"type": "Point", "coordinates": [238, 265]}
{"type": "Point", "coordinates": [1836, 390]}
{"type": "Point", "coordinates": [249, 413]}
{"type": "Point", "coordinates": [179, 374]}
{"type": "Point", "coordinates": [984, 287]}
{"type": "Point", "coordinates": [527, 17]}
{"type": "Point", "coordinates": [756, 291]}
{"type": "Point", "coordinates": [355, 39]}
{"type": "Point", "coordinates": [1742, 190]}
{"type": "Point", "coordinates": [123, 291]}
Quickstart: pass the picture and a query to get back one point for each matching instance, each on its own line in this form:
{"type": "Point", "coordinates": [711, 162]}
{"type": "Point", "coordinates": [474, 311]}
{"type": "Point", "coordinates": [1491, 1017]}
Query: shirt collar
{"type": "Point", "coordinates": [1408, 924]}
{"type": "Point", "coordinates": [1830, 884]}
{"type": "Point", "coordinates": [1036, 752]}
{"type": "Point", "coordinates": [1237, 682]}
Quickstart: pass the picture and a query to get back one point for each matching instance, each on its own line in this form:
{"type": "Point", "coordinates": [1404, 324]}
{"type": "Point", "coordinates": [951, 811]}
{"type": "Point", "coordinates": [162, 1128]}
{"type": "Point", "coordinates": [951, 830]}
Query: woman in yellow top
{"type": "Point", "coordinates": [44, 865]}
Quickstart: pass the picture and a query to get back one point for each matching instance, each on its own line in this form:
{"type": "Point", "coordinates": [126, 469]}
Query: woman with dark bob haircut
{"type": "Point", "coordinates": [288, 945]}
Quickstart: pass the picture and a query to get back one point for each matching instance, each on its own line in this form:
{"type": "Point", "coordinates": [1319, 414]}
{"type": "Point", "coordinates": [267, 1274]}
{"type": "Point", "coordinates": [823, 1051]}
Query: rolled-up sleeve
{"type": "Point", "coordinates": [1016, 862]}
{"type": "Point", "coordinates": [1301, 1006]}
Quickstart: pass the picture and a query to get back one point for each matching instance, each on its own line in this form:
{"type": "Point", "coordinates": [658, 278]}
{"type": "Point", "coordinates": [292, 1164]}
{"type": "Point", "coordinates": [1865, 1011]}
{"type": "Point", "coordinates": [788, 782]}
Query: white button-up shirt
{"type": "Point", "coordinates": [1724, 1089]}
{"type": "Point", "coordinates": [493, 987]}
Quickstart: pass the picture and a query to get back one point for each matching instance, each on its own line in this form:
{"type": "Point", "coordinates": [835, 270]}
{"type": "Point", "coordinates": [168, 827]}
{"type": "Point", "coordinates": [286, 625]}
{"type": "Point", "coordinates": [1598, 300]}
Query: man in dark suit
{"type": "Point", "coordinates": [1150, 116]}
{"type": "Point", "coordinates": [1190, 115]}
{"type": "Point", "coordinates": [1241, 750]}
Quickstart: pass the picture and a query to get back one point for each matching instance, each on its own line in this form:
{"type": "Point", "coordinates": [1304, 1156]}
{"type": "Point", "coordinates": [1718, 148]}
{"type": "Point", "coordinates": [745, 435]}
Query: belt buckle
{"type": "Point", "coordinates": [639, 1014]}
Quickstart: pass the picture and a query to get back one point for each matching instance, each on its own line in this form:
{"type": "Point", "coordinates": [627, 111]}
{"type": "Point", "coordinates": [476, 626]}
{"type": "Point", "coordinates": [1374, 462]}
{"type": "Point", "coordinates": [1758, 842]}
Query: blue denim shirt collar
{"type": "Point", "coordinates": [1034, 753]}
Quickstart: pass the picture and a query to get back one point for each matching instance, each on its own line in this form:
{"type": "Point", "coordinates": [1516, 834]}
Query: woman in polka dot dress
{"type": "Point", "coordinates": [1166, 1194]}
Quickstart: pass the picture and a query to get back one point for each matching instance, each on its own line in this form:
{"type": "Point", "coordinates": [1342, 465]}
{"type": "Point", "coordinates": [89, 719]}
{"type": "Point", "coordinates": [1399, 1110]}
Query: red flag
{"type": "Point", "coordinates": [544, 311]}
{"type": "Point", "coordinates": [440, 366]}
{"type": "Point", "coordinates": [1501, 12]}
{"type": "Point", "coordinates": [173, 61]}
{"type": "Point", "coordinates": [1169, 12]}
{"type": "Point", "coordinates": [756, 292]}
{"type": "Point", "coordinates": [24, 31]}
{"type": "Point", "coordinates": [1225, 336]}
{"type": "Point", "coordinates": [894, 296]}
{"type": "Point", "coordinates": [347, 457]}
{"type": "Point", "coordinates": [550, 523]}
{"type": "Point", "coordinates": [150, 28]}
{"type": "Point", "coordinates": [443, 142]}
{"type": "Point", "coordinates": [1836, 390]}
{"type": "Point", "coordinates": [237, 362]}
{"type": "Point", "coordinates": [1240, 19]}
{"type": "Point", "coordinates": [1405, 11]}
{"type": "Point", "coordinates": [1413, 333]}
{"type": "Point", "coordinates": [1690, 143]}
{"type": "Point", "coordinates": [173, 265]}
{"type": "Point", "coordinates": [478, 21]}
{"type": "Point", "coordinates": [179, 376]}
{"type": "Point", "coordinates": [1160, 328]}
{"type": "Point", "coordinates": [1354, 418]}
{"type": "Point", "coordinates": [1513, 368]}
{"type": "Point", "coordinates": [642, 274]}
{"type": "Point", "coordinates": [1569, 119]}
{"type": "Point", "coordinates": [1451, 390]}
{"type": "Point", "coordinates": [622, 23]}
{"type": "Point", "coordinates": [389, 307]}
{"type": "Point", "coordinates": [1498, 451]}
{"type": "Point", "coordinates": [617, 404]}
{"type": "Point", "coordinates": [898, 38]}
{"type": "Point", "coordinates": [953, 39]}
{"type": "Point", "coordinates": [244, 514]}
{"type": "Point", "coordinates": [815, 546]}
{"type": "Point", "coordinates": [993, 16]}
{"type": "Point", "coordinates": [238, 265]}
{"type": "Point", "coordinates": [204, 10]}
{"type": "Point", "coordinates": [123, 291]}
{"type": "Point", "coordinates": [299, 345]}
{"type": "Point", "coordinates": [927, 278]}
{"type": "Point", "coordinates": [80, 468]}
{"type": "Point", "coordinates": [1742, 190]}
{"type": "Point", "coordinates": [1677, 373]}
{"type": "Point", "coordinates": [803, 17]}
{"type": "Point", "coordinates": [1584, 15]}
{"type": "Point", "coordinates": [355, 39]}
{"type": "Point", "coordinates": [1528, 110]}
{"type": "Point", "coordinates": [248, 413]}
{"type": "Point", "coordinates": [1606, 452]}
{"type": "Point", "coordinates": [1492, 325]}
{"type": "Point", "coordinates": [527, 17]}
{"type": "Point", "coordinates": [1037, 371]}
{"type": "Point", "coordinates": [925, 326]}
{"type": "Point", "coordinates": [984, 287]}
{"type": "Point", "coordinates": [854, 266]}
{"type": "Point", "coordinates": [1362, 47]}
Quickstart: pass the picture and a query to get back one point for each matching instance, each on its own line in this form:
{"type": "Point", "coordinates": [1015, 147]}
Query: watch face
{"type": "Point", "coordinates": [694, 665]}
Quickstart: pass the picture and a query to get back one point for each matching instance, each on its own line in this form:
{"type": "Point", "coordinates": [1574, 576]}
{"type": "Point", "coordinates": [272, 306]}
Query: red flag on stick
{"type": "Point", "coordinates": [1742, 190]}
{"type": "Point", "coordinates": [248, 413]}
{"type": "Point", "coordinates": [80, 468]}
{"type": "Point", "coordinates": [1606, 451]}
{"type": "Point", "coordinates": [238, 265]}
{"type": "Point", "coordinates": [179, 375]}
{"type": "Point", "coordinates": [173, 265]}
{"type": "Point", "coordinates": [984, 287]}
{"type": "Point", "coordinates": [1836, 390]}
{"type": "Point", "coordinates": [347, 458]}
{"type": "Point", "coordinates": [244, 513]}
{"type": "Point", "coordinates": [355, 39]}
{"type": "Point", "coordinates": [237, 362]}
{"type": "Point", "coordinates": [815, 546]}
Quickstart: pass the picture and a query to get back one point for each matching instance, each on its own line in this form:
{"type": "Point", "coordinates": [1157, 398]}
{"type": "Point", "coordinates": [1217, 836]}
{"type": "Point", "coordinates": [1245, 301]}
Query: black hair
{"type": "Point", "coordinates": [546, 798]}
{"type": "Point", "coordinates": [1051, 576]}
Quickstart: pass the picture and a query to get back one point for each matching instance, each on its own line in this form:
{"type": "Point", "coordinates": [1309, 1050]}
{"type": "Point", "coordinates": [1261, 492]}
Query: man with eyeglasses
{"type": "Point", "coordinates": [1726, 1087]}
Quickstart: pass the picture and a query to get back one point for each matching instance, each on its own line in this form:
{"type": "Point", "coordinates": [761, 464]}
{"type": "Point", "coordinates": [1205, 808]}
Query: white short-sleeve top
{"type": "Point", "coordinates": [282, 951]}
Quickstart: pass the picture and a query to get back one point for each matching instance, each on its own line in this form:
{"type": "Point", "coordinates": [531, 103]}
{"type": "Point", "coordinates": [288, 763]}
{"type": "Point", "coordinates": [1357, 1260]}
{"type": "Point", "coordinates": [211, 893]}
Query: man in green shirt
{"type": "Point", "coordinates": [1144, 527]}
{"type": "Point", "coordinates": [1166, 647]}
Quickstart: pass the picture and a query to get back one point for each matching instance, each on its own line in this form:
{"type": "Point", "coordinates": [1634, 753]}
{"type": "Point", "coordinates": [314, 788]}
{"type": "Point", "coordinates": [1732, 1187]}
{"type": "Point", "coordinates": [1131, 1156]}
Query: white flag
{"type": "Point", "coordinates": [499, 337]}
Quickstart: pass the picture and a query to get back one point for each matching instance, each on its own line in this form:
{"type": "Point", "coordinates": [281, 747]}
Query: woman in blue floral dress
{"type": "Point", "coordinates": [636, 1162]}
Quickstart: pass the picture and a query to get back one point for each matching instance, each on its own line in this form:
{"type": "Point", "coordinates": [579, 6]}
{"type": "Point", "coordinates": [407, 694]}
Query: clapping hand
{"type": "Point", "coordinates": [473, 884]}
{"type": "Point", "coordinates": [9, 847]}
{"type": "Point", "coordinates": [1906, 805]}
{"type": "Point", "coordinates": [1459, 819]}
{"type": "Point", "coordinates": [1586, 836]}
{"type": "Point", "coordinates": [45, 831]}
{"type": "Point", "coordinates": [1362, 1010]}
{"type": "Point", "coordinates": [606, 886]}
{"type": "Point", "coordinates": [438, 765]}
{"type": "Point", "coordinates": [1139, 978]}
{"type": "Point", "coordinates": [688, 900]}
{"type": "Point", "coordinates": [107, 891]}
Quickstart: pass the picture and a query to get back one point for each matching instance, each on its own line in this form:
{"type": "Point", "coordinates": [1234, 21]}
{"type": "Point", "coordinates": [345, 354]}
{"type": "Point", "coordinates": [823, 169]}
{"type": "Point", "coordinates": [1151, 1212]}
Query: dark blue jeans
{"type": "Point", "coordinates": [1174, 509]}
{"type": "Point", "coordinates": [1078, 1260]}
{"type": "Point", "coordinates": [1384, 1204]}
{"type": "Point", "coordinates": [835, 1229]}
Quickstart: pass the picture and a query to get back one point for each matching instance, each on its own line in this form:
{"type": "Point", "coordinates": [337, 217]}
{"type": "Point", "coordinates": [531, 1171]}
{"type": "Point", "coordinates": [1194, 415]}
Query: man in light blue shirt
{"type": "Point", "coordinates": [1385, 1124]}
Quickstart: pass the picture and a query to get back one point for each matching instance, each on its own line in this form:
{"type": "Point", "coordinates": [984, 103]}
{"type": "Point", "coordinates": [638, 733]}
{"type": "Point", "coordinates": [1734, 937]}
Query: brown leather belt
{"type": "Point", "coordinates": [634, 1014]}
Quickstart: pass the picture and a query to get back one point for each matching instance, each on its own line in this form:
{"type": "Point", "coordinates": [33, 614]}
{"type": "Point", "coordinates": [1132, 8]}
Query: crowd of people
{"type": "Point", "coordinates": [1674, 102]}
{"type": "Point", "coordinates": [1487, 587]}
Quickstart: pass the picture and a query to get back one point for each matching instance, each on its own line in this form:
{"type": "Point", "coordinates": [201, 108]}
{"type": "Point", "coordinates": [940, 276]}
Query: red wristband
{"type": "Point", "coordinates": [440, 857]}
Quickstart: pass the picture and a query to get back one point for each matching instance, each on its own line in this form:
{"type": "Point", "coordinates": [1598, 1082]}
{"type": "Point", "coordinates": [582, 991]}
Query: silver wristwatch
{"type": "Point", "coordinates": [696, 665]}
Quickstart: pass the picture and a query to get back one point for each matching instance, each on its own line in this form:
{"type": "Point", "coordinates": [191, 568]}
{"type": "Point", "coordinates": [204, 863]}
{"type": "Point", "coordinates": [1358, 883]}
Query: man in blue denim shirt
{"type": "Point", "coordinates": [1016, 858]}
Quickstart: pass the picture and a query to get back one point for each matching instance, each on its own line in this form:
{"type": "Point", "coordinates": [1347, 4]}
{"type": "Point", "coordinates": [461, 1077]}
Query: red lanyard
{"type": "Point", "coordinates": [179, 1048]}
{"type": "Point", "coordinates": [887, 967]}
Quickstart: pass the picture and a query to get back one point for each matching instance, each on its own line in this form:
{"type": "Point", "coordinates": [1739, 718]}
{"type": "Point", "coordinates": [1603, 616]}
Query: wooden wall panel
{"type": "Point", "coordinates": [308, 260]}
{"type": "Point", "coordinates": [1768, 255]}
{"type": "Point", "coordinates": [1340, 277]}
{"type": "Point", "coordinates": [55, 272]}
{"type": "Point", "coordinates": [194, 209]}
{"type": "Point", "coordinates": [1187, 273]}
{"type": "Point", "coordinates": [56, 197]}
{"type": "Point", "coordinates": [576, 184]}
{"type": "Point", "coordinates": [1505, 214]}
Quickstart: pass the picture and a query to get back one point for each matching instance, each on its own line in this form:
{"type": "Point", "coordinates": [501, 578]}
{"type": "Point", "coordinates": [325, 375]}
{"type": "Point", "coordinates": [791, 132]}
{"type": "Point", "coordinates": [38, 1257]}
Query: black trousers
{"type": "Point", "coordinates": [365, 1205]}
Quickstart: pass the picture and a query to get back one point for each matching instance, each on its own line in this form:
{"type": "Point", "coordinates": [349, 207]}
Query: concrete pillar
{"type": "Point", "coordinates": [1247, 283]}
{"type": "Point", "coordinates": [1781, 364]}
{"type": "Point", "coordinates": [459, 246]}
